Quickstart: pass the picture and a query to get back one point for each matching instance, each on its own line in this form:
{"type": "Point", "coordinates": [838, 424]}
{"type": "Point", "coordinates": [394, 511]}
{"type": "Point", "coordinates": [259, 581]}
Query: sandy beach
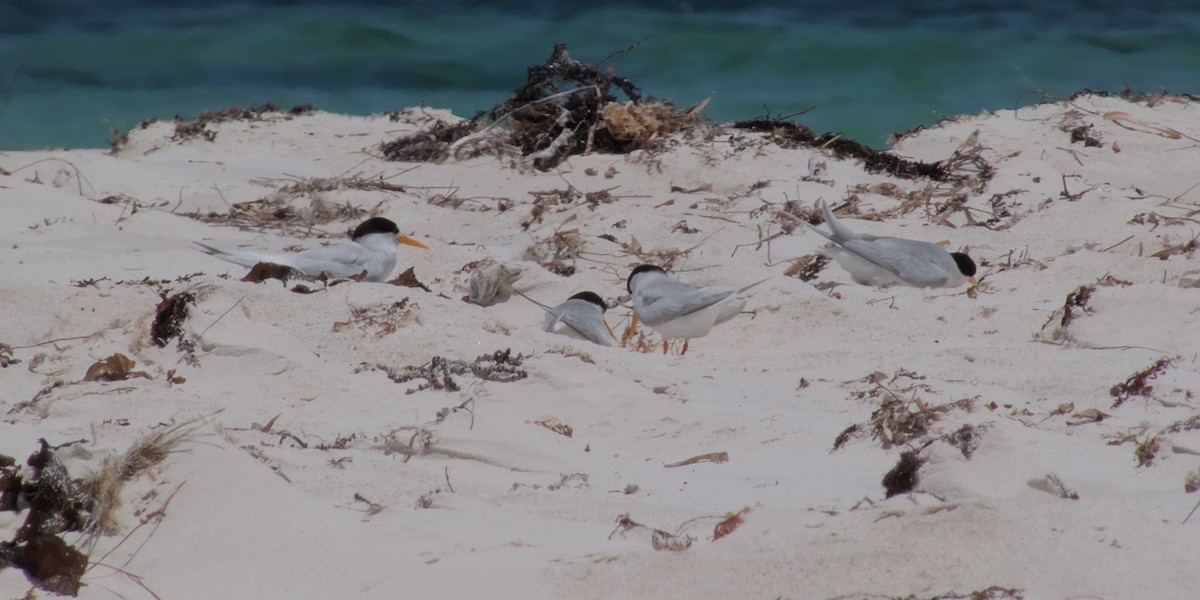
{"type": "Point", "coordinates": [1052, 408]}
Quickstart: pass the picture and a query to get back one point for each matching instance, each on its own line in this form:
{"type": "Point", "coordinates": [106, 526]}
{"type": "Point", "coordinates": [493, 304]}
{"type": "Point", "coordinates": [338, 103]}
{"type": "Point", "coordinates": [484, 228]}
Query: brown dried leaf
{"type": "Point", "coordinates": [409, 279]}
{"type": "Point", "coordinates": [117, 367]}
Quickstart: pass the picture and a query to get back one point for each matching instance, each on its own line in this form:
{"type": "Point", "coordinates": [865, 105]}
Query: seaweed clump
{"type": "Point", "coordinates": [169, 316]}
{"type": "Point", "coordinates": [500, 366]}
{"type": "Point", "coordinates": [795, 135]}
{"type": "Point", "coordinates": [565, 107]}
{"type": "Point", "coordinates": [57, 504]}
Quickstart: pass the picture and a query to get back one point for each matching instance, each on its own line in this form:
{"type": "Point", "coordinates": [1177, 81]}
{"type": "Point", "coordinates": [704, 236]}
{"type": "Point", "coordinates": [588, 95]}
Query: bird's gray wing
{"type": "Point", "coordinates": [343, 260]}
{"type": "Point", "coordinates": [245, 258]}
{"type": "Point", "coordinates": [663, 301]}
{"type": "Point", "coordinates": [917, 263]}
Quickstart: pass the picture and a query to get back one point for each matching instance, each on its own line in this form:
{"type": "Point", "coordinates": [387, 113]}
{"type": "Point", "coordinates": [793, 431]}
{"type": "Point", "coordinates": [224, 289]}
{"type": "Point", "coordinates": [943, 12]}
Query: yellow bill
{"type": "Point", "coordinates": [407, 241]}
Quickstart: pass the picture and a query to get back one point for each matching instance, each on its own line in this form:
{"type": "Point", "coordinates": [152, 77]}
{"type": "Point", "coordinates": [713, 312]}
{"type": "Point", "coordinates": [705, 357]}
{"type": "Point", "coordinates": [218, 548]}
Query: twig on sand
{"type": "Point", "coordinates": [79, 178]}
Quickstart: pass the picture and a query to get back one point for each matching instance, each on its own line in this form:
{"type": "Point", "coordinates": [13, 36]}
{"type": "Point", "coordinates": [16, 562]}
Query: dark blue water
{"type": "Point", "coordinates": [70, 69]}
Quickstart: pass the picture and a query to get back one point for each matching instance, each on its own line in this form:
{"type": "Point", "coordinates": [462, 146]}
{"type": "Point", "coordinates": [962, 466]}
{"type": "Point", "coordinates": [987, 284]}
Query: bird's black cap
{"type": "Point", "coordinates": [375, 225]}
{"type": "Point", "coordinates": [592, 297]}
{"type": "Point", "coordinates": [640, 269]}
{"type": "Point", "coordinates": [966, 266]}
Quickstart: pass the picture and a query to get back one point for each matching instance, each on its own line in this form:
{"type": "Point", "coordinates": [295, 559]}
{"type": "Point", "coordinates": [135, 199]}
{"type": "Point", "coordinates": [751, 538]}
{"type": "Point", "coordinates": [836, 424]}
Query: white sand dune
{"type": "Point", "coordinates": [494, 505]}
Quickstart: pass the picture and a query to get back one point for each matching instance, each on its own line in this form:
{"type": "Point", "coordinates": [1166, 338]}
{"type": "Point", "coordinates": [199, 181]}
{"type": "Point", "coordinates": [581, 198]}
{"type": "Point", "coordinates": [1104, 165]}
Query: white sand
{"type": "Point", "coordinates": [259, 516]}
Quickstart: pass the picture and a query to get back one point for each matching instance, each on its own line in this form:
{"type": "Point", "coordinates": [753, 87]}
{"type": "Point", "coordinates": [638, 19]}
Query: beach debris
{"type": "Point", "coordinates": [572, 353]}
{"type": "Point", "coordinates": [1080, 131]}
{"type": "Point", "coordinates": [197, 127]}
{"type": "Point", "coordinates": [298, 205]}
{"type": "Point", "coordinates": [467, 406]}
{"type": "Point", "coordinates": [789, 134]}
{"type": "Point", "coordinates": [1084, 134]}
{"type": "Point", "coordinates": [1191, 482]}
{"type": "Point", "coordinates": [553, 252]}
{"type": "Point", "coordinates": [966, 438]}
{"type": "Point", "coordinates": [6, 356]}
{"type": "Point", "coordinates": [374, 508]}
{"type": "Point", "coordinates": [846, 435]}
{"type": "Point", "coordinates": [554, 425]}
{"type": "Point", "coordinates": [565, 107]}
{"type": "Point", "coordinates": [1088, 415]}
{"type": "Point", "coordinates": [380, 319]}
{"type": "Point", "coordinates": [729, 524]}
{"type": "Point", "coordinates": [1185, 249]}
{"type": "Point", "coordinates": [806, 268]}
{"type": "Point", "coordinates": [902, 416]}
{"type": "Point", "coordinates": [659, 539]}
{"type": "Point", "coordinates": [501, 366]}
{"type": "Point", "coordinates": [1146, 451]}
{"type": "Point", "coordinates": [1138, 384]}
{"type": "Point", "coordinates": [902, 478]}
{"type": "Point", "coordinates": [52, 564]}
{"type": "Point", "coordinates": [117, 367]}
{"type": "Point", "coordinates": [1132, 123]}
{"type": "Point", "coordinates": [899, 421]}
{"type": "Point", "coordinates": [490, 282]}
{"type": "Point", "coordinates": [58, 503]}
{"type": "Point", "coordinates": [1076, 304]}
{"type": "Point", "coordinates": [265, 270]}
{"type": "Point", "coordinates": [169, 316]}
{"type": "Point", "coordinates": [713, 457]}
{"type": "Point", "coordinates": [409, 279]}
{"type": "Point", "coordinates": [994, 592]}
{"type": "Point", "coordinates": [1051, 484]}
{"type": "Point", "coordinates": [577, 481]}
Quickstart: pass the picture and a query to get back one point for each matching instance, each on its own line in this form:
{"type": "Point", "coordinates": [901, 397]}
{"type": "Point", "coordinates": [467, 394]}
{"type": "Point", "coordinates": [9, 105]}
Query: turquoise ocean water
{"type": "Point", "coordinates": [70, 69]}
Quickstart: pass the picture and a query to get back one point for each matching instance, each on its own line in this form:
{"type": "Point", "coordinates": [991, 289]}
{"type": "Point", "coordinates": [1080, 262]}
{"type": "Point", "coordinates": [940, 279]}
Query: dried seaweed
{"type": "Point", "coordinates": [903, 478]}
{"type": "Point", "coordinates": [431, 144]}
{"type": "Point", "coordinates": [966, 438]}
{"type": "Point", "coordinates": [1146, 451]}
{"type": "Point", "coordinates": [806, 268]}
{"type": "Point", "coordinates": [54, 565]}
{"type": "Point", "coordinates": [994, 592]}
{"type": "Point", "coordinates": [565, 107]}
{"type": "Point", "coordinates": [793, 135]}
{"type": "Point", "coordinates": [1138, 384]}
{"type": "Point", "coordinates": [169, 316]}
{"type": "Point", "coordinates": [197, 127]}
{"type": "Point", "coordinates": [1084, 133]}
{"type": "Point", "coordinates": [501, 366]}
{"type": "Point", "coordinates": [1077, 299]}
{"type": "Point", "coordinates": [280, 209]}
{"type": "Point", "coordinates": [1189, 424]}
{"type": "Point", "coordinates": [380, 319]}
